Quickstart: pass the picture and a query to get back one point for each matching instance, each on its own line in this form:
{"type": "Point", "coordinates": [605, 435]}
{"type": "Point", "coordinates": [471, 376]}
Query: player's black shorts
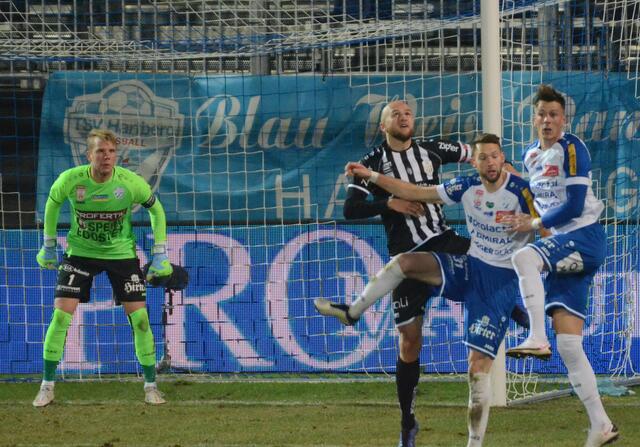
{"type": "Point", "coordinates": [410, 297]}
{"type": "Point", "coordinates": [75, 277]}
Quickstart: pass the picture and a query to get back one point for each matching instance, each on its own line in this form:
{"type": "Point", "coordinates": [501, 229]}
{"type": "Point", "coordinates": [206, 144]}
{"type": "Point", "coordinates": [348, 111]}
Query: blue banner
{"type": "Point", "coordinates": [249, 307]}
{"type": "Point", "coordinates": [251, 149]}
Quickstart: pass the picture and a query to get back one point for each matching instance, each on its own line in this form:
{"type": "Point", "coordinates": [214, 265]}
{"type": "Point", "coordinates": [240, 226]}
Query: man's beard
{"type": "Point", "coordinates": [401, 136]}
{"type": "Point", "coordinates": [492, 181]}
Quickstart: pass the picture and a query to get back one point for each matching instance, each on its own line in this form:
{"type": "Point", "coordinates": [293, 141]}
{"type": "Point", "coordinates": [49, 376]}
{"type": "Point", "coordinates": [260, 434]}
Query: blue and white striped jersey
{"type": "Point", "coordinates": [566, 163]}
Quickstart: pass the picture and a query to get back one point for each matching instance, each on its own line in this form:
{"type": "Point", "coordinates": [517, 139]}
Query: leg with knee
{"type": "Point", "coordinates": [528, 265]}
{"type": "Point", "coordinates": [579, 370]}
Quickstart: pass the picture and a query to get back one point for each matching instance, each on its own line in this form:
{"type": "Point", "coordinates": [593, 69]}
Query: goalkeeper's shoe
{"type": "Point", "coordinates": [329, 309]}
{"type": "Point", "coordinates": [408, 437]}
{"type": "Point", "coordinates": [153, 396]}
{"type": "Point", "coordinates": [599, 438]}
{"type": "Point", "coordinates": [531, 348]}
{"type": "Point", "coordinates": [44, 397]}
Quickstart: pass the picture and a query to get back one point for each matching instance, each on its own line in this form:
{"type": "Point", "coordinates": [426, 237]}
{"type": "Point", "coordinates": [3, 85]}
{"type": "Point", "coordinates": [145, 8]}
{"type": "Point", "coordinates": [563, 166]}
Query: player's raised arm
{"type": "Point", "coordinates": [398, 188]}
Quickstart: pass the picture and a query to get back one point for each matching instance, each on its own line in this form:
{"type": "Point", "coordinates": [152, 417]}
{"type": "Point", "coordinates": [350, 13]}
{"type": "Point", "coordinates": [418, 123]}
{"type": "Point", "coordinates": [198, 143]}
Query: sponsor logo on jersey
{"type": "Point", "coordinates": [447, 147]}
{"type": "Point", "coordinates": [63, 288]}
{"type": "Point", "coordinates": [401, 303]}
{"type": "Point", "coordinates": [477, 202]}
{"type": "Point", "coordinates": [108, 216]}
{"type": "Point", "coordinates": [72, 269]}
{"type": "Point", "coordinates": [452, 188]}
{"type": "Point", "coordinates": [490, 204]}
{"type": "Point", "coordinates": [100, 198]}
{"type": "Point", "coordinates": [500, 215]}
{"type": "Point", "coordinates": [387, 168]}
{"type": "Point", "coordinates": [551, 170]}
{"type": "Point", "coordinates": [81, 192]}
{"type": "Point", "coordinates": [134, 285]}
{"type": "Point", "coordinates": [146, 125]}
{"type": "Point", "coordinates": [482, 328]}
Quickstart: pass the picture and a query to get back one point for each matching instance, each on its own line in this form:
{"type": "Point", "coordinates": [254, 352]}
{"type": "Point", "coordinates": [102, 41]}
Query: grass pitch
{"type": "Point", "coordinates": [223, 413]}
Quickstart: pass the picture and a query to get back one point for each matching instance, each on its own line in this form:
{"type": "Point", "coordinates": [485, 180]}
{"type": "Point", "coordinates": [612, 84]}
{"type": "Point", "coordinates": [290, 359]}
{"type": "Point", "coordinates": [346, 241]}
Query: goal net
{"type": "Point", "coordinates": [241, 115]}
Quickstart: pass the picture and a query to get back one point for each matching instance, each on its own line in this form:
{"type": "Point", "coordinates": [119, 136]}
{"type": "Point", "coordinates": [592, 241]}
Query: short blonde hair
{"type": "Point", "coordinates": [98, 135]}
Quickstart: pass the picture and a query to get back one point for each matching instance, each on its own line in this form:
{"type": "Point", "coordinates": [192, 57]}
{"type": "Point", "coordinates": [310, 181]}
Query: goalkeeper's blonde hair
{"type": "Point", "coordinates": [98, 135]}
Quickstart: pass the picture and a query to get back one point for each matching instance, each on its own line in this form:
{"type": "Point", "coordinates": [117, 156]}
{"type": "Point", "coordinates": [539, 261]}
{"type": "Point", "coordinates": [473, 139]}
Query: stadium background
{"type": "Point", "coordinates": [242, 124]}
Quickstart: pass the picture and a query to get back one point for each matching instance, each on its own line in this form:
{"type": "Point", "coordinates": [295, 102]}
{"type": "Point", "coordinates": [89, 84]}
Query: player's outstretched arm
{"type": "Point", "coordinates": [47, 257]}
{"type": "Point", "coordinates": [160, 265]}
{"type": "Point", "coordinates": [398, 188]}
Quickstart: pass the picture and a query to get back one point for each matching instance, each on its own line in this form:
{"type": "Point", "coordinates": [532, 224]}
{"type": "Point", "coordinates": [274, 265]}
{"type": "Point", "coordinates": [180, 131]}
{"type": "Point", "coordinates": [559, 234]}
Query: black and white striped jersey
{"type": "Point", "coordinates": [420, 164]}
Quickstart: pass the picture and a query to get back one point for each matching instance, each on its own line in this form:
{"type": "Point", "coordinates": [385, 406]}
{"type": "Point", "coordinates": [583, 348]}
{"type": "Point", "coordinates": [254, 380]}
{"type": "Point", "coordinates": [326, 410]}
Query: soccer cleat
{"type": "Point", "coordinates": [44, 396]}
{"type": "Point", "coordinates": [520, 316]}
{"type": "Point", "coordinates": [408, 437]}
{"type": "Point", "coordinates": [329, 309]}
{"type": "Point", "coordinates": [153, 396]}
{"type": "Point", "coordinates": [600, 438]}
{"type": "Point", "coordinates": [531, 348]}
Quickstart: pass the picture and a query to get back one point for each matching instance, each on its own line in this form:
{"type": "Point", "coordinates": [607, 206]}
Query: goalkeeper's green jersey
{"type": "Point", "coordinates": [101, 212]}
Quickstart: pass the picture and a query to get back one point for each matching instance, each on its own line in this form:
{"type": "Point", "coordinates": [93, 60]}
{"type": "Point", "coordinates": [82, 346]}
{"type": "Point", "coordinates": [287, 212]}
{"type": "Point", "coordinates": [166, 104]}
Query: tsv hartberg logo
{"type": "Point", "coordinates": [148, 127]}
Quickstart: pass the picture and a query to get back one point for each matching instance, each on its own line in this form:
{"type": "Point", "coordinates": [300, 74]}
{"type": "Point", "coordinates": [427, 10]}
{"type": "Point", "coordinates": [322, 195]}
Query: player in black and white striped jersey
{"type": "Point", "coordinates": [416, 162]}
{"type": "Point", "coordinates": [409, 226]}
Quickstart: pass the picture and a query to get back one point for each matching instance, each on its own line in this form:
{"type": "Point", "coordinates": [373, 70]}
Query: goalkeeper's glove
{"type": "Point", "coordinates": [48, 256]}
{"type": "Point", "coordinates": [160, 265]}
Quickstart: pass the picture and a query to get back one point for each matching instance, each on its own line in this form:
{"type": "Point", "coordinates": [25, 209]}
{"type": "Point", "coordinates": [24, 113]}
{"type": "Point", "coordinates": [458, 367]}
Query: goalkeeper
{"type": "Point", "coordinates": [101, 239]}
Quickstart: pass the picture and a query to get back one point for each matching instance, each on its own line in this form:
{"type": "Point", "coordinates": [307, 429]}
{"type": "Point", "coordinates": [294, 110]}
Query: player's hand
{"type": "Point", "coordinates": [518, 222]}
{"type": "Point", "coordinates": [353, 169]}
{"type": "Point", "coordinates": [511, 169]}
{"type": "Point", "coordinates": [47, 257]}
{"type": "Point", "coordinates": [415, 209]}
{"type": "Point", "coordinates": [160, 265]}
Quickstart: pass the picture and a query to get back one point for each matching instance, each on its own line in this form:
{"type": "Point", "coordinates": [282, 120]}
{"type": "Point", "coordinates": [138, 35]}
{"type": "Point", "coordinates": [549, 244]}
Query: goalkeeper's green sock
{"type": "Point", "coordinates": [54, 342]}
{"type": "Point", "coordinates": [143, 341]}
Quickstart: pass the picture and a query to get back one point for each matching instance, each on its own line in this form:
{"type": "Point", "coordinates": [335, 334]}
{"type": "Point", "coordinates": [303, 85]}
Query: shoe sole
{"type": "Point", "coordinates": [522, 353]}
{"type": "Point", "coordinates": [612, 440]}
{"type": "Point", "coordinates": [325, 308]}
{"type": "Point", "coordinates": [42, 406]}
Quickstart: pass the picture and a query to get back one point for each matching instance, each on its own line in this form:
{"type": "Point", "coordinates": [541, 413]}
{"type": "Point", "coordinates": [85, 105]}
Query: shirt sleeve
{"type": "Point", "coordinates": [141, 191]}
{"type": "Point", "coordinates": [356, 206]}
{"type": "Point", "coordinates": [451, 191]}
{"type": "Point", "coordinates": [57, 195]}
{"type": "Point", "coordinates": [526, 201]}
{"type": "Point", "coordinates": [450, 151]}
{"type": "Point", "coordinates": [158, 222]}
{"type": "Point", "coordinates": [577, 164]}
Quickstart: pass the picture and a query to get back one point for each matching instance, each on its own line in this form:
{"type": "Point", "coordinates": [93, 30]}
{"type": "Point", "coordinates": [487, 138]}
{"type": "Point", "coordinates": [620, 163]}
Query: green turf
{"type": "Point", "coordinates": [284, 414]}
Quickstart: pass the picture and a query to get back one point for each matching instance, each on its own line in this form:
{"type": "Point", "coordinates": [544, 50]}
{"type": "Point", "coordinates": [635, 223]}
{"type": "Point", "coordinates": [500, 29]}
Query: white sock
{"type": "Point", "coordinates": [384, 282]}
{"type": "Point", "coordinates": [478, 411]}
{"type": "Point", "coordinates": [47, 383]}
{"type": "Point", "coordinates": [150, 385]}
{"type": "Point", "coordinates": [583, 379]}
{"type": "Point", "coordinates": [528, 264]}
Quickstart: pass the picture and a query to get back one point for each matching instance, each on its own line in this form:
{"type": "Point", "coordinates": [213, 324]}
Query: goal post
{"type": "Point", "coordinates": [492, 122]}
